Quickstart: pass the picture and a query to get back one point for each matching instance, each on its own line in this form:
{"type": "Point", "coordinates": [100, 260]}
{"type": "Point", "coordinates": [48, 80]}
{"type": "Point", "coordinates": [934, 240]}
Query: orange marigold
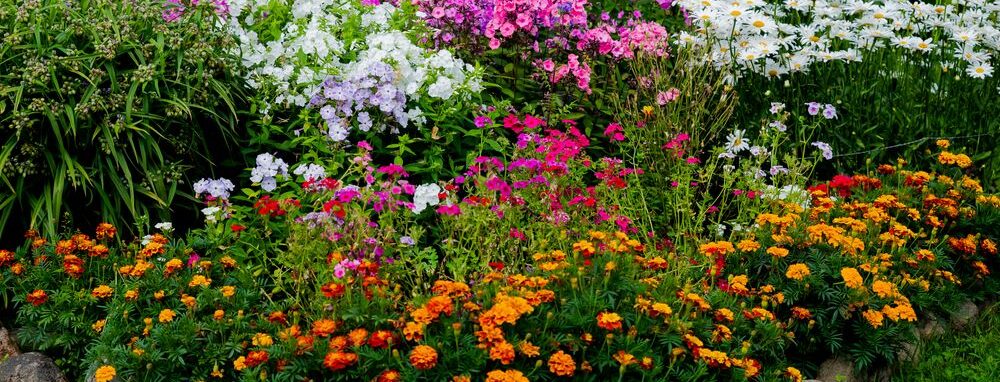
{"type": "Point", "coordinates": [797, 271]}
{"type": "Point", "coordinates": [324, 327]}
{"type": "Point", "coordinates": [503, 352]}
{"type": "Point", "coordinates": [337, 360]}
{"type": "Point", "coordinates": [166, 315]}
{"type": "Point", "coordinates": [505, 376]}
{"type": "Point", "coordinates": [609, 321]}
{"type": "Point", "coordinates": [852, 278]}
{"type": "Point", "coordinates": [105, 373]}
{"type": "Point", "coordinates": [423, 357]}
{"type": "Point", "coordinates": [562, 364]}
{"type": "Point", "coordinates": [102, 291]}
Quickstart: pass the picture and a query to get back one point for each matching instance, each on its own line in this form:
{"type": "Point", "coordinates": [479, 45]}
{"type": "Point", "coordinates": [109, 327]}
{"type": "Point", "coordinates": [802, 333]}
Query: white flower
{"type": "Point", "coordinates": [164, 226]}
{"type": "Point", "coordinates": [425, 195]}
{"type": "Point", "coordinates": [979, 70]}
{"type": "Point", "coordinates": [311, 172]}
{"type": "Point", "coordinates": [211, 214]}
{"type": "Point", "coordinates": [736, 141]}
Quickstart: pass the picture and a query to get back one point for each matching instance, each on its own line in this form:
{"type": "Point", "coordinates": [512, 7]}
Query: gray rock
{"type": "Point", "coordinates": [837, 369]}
{"type": "Point", "coordinates": [8, 345]}
{"type": "Point", "coordinates": [933, 327]}
{"type": "Point", "coordinates": [30, 367]}
{"type": "Point", "coordinates": [964, 315]}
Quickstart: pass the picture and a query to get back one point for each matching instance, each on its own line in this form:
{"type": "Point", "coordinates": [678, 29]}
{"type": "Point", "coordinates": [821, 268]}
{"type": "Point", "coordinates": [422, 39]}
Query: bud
{"type": "Point", "coordinates": [538, 364]}
{"type": "Point", "coordinates": [395, 354]}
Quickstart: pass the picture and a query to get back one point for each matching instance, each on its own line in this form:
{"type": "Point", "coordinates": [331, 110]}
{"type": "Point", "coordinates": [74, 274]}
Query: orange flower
{"type": "Point", "coordinates": [624, 358]}
{"type": "Point", "coordinates": [609, 321]}
{"type": "Point", "coordinates": [389, 376]}
{"type": "Point", "coordinates": [324, 327]}
{"type": "Point", "coordinates": [106, 231]}
{"type": "Point", "coordinates": [381, 339]}
{"type": "Point", "coordinates": [852, 278]}
{"type": "Point", "coordinates": [336, 361]}
{"type": "Point", "coordinates": [423, 357]}
{"type": "Point", "coordinates": [105, 373]}
{"type": "Point", "coordinates": [801, 313]}
{"type": "Point", "coordinates": [256, 357]}
{"type": "Point", "coordinates": [199, 280]}
{"type": "Point", "coordinates": [358, 336]}
{"type": "Point", "coordinates": [717, 248]}
{"type": "Point", "coordinates": [102, 291]}
{"type": "Point", "coordinates": [167, 315]}
{"type": "Point", "coordinates": [874, 317]}
{"type": "Point", "coordinates": [793, 374]}
{"type": "Point", "coordinates": [777, 252]}
{"type": "Point", "coordinates": [333, 290]}
{"type": "Point", "coordinates": [797, 271]}
{"type": "Point", "coordinates": [884, 289]}
{"type": "Point", "coordinates": [503, 352]}
{"type": "Point", "coordinates": [505, 376]}
{"type": "Point", "coordinates": [73, 266]}
{"type": "Point", "coordinates": [562, 364]}
{"type": "Point", "coordinates": [262, 339]}
{"type": "Point", "coordinates": [528, 349]}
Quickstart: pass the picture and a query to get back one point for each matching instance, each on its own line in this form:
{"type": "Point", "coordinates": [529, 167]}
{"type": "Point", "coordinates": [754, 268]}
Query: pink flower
{"type": "Point", "coordinates": [693, 160]}
{"type": "Point", "coordinates": [548, 65]}
{"type": "Point", "coordinates": [482, 121]}
{"type": "Point", "coordinates": [452, 210]}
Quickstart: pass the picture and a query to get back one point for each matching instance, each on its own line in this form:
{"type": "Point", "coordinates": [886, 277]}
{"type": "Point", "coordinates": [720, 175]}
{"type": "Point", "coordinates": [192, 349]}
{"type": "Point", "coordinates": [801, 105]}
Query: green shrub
{"type": "Point", "coordinates": [105, 103]}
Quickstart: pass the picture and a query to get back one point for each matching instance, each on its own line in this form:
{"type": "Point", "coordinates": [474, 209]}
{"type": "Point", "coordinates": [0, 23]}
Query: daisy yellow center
{"type": "Point", "coordinates": [814, 38]}
{"type": "Point", "coordinates": [758, 24]}
{"type": "Point", "coordinates": [980, 70]}
{"type": "Point", "coordinates": [735, 12]}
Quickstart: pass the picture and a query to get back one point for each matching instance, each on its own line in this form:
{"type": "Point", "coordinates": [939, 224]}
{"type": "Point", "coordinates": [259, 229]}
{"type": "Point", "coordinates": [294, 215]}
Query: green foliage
{"type": "Point", "coordinates": [103, 103]}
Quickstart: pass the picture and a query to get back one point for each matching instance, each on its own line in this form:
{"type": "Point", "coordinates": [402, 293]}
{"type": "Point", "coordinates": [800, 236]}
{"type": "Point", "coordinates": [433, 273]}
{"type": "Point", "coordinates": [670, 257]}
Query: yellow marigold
{"type": "Point", "coordinates": [661, 309]}
{"type": "Point", "coordinates": [797, 271]}
{"type": "Point", "coordinates": [942, 143]}
{"type": "Point", "coordinates": [199, 280]}
{"type": "Point", "coordinates": [102, 291]}
{"type": "Point", "coordinates": [262, 339]}
{"type": "Point", "coordinates": [423, 357]}
{"type": "Point", "coordinates": [777, 252]}
{"type": "Point", "coordinates": [852, 278]}
{"type": "Point", "coordinates": [562, 364]}
{"type": "Point", "coordinates": [228, 291]}
{"type": "Point", "coordinates": [98, 326]}
{"type": "Point", "coordinates": [240, 363]}
{"type": "Point", "coordinates": [793, 374]}
{"type": "Point", "coordinates": [167, 315]}
{"type": "Point", "coordinates": [883, 288]}
{"type": "Point", "coordinates": [219, 314]}
{"type": "Point", "coordinates": [461, 378]}
{"type": "Point", "coordinates": [874, 318]}
{"type": "Point", "coordinates": [609, 321]}
{"type": "Point", "coordinates": [748, 245]}
{"type": "Point", "coordinates": [132, 294]}
{"type": "Point", "coordinates": [228, 262]}
{"type": "Point", "coordinates": [105, 373]}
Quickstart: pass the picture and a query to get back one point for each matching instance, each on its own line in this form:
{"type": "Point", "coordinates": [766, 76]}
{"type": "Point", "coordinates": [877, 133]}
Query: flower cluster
{"type": "Point", "coordinates": [290, 48]}
{"type": "Point", "coordinates": [774, 39]}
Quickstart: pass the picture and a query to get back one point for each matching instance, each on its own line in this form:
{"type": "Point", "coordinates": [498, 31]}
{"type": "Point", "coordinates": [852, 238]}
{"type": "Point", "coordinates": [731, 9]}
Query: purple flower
{"type": "Point", "coordinates": [814, 107]}
{"type": "Point", "coordinates": [483, 121]}
{"type": "Point", "coordinates": [825, 148]}
{"type": "Point", "coordinates": [829, 112]}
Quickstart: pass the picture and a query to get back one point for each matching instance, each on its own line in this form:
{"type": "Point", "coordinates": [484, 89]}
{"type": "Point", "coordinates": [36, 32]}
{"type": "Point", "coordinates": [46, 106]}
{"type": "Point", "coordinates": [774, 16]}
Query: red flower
{"type": "Point", "coordinates": [496, 265]}
{"type": "Point", "coordinates": [237, 228]}
{"type": "Point", "coordinates": [256, 358]}
{"type": "Point", "coordinates": [38, 297]}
